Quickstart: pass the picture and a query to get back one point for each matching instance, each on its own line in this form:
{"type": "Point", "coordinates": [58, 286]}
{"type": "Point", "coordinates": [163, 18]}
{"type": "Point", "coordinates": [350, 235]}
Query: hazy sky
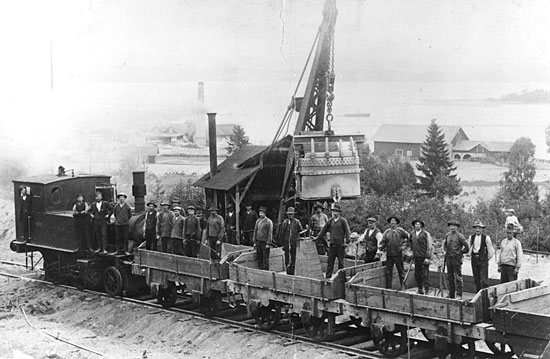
{"type": "Point", "coordinates": [246, 40]}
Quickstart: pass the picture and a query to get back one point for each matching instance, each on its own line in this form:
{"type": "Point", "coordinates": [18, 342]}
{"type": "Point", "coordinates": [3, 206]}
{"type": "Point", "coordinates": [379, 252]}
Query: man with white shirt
{"type": "Point", "coordinates": [372, 238]}
{"type": "Point", "coordinates": [481, 251]}
{"type": "Point", "coordinates": [509, 259]}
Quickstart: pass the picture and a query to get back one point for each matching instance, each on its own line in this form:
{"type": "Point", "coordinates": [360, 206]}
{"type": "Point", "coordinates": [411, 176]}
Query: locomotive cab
{"type": "Point", "coordinates": [43, 218]}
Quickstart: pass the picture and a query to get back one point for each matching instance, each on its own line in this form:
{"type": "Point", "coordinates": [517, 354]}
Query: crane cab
{"type": "Point", "coordinates": [327, 165]}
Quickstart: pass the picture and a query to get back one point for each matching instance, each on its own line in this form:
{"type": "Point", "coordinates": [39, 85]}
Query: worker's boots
{"type": "Point", "coordinates": [420, 290]}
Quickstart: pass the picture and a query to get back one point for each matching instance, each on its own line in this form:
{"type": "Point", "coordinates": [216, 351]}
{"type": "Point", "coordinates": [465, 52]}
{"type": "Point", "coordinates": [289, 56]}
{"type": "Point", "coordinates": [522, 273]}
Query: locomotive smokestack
{"type": "Point", "coordinates": [212, 144]}
{"type": "Point", "coordinates": [139, 190]}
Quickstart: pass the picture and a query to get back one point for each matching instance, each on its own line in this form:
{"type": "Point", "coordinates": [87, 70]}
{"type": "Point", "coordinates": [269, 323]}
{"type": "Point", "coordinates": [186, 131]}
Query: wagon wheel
{"type": "Point", "coordinates": [210, 305]}
{"type": "Point", "coordinates": [167, 296]}
{"type": "Point", "coordinates": [267, 317]}
{"type": "Point", "coordinates": [392, 344]}
{"type": "Point", "coordinates": [112, 282]}
{"type": "Point", "coordinates": [500, 349]}
{"type": "Point", "coordinates": [316, 328]}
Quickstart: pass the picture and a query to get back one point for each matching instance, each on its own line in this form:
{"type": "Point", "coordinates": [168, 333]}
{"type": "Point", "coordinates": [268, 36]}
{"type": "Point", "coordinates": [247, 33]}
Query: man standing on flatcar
{"type": "Point", "coordinates": [192, 233]}
{"type": "Point", "coordinates": [215, 228]}
{"type": "Point", "coordinates": [317, 223]}
{"type": "Point", "coordinates": [100, 215]}
{"type": "Point", "coordinates": [81, 223]}
{"type": "Point", "coordinates": [164, 227]}
{"type": "Point", "coordinates": [372, 238]}
{"type": "Point", "coordinates": [481, 252]}
{"type": "Point", "coordinates": [249, 219]}
{"type": "Point", "coordinates": [420, 242]}
{"type": "Point", "coordinates": [231, 224]}
{"type": "Point", "coordinates": [394, 240]}
{"type": "Point", "coordinates": [290, 233]}
{"type": "Point", "coordinates": [150, 226]}
{"type": "Point", "coordinates": [177, 231]}
{"type": "Point", "coordinates": [455, 245]}
{"type": "Point", "coordinates": [122, 213]}
{"type": "Point", "coordinates": [511, 253]}
{"type": "Point", "coordinates": [263, 238]}
{"type": "Point", "coordinates": [339, 231]}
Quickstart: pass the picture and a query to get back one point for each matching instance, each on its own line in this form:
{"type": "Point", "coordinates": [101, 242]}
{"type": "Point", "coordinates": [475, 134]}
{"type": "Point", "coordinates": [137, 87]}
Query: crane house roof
{"type": "Point", "coordinates": [413, 133]}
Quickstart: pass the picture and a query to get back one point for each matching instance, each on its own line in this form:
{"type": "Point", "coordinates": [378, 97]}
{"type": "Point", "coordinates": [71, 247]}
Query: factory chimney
{"type": "Point", "coordinates": [139, 190]}
{"type": "Point", "coordinates": [212, 144]}
{"type": "Point", "coordinates": [201, 131]}
{"type": "Point", "coordinates": [201, 93]}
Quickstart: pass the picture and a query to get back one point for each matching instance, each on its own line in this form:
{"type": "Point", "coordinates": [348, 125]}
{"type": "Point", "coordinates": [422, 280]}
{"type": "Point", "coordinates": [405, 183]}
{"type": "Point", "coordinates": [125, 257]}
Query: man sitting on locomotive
{"type": "Point", "coordinates": [192, 233]}
{"type": "Point", "coordinates": [177, 231]}
{"type": "Point", "coordinates": [164, 226]}
{"type": "Point", "coordinates": [123, 213]}
{"type": "Point", "coordinates": [100, 214]}
{"type": "Point", "coordinates": [81, 223]}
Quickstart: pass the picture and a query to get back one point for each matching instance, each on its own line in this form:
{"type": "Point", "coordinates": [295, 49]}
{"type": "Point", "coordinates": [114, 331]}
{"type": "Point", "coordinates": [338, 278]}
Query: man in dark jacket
{"type": "Point", "coordinates": [164, 227]}
{"type": "Point", "coordinates": [339, 231]}
{"type": "Point", "coordinates": [372, 238]}
{"type": "Point", "coordinates": [100, 213]}
{"type": "Point", "coordinates": [191, 233]}
{"type": "Point", "coordinates": [290, 232]}
{"type": "Point", "coordinates": [231, 225]}
{"type": "Point", "coordinates": [177, 231]}
{"type": "Point", "coordinates": [249, 218]}
{"type": "Point", "coordinates": [393, 242]}
{"type": "Point", "coordinates": [215, 228]}
{"type": "Point", "coordinates": [150, 227]}
{"type": "Point", "coordinates": [454, 245]}
{"type": "Point", "coordinates": [82, 223]}
{"type": "Point", "coordinates": [420, 242]}
{"type": "Point", "coordinates": [25, 213]}
{"type": "Point", "coordinates": [122, 213]}
{"type": "Point", "coordinates": [263, 238]}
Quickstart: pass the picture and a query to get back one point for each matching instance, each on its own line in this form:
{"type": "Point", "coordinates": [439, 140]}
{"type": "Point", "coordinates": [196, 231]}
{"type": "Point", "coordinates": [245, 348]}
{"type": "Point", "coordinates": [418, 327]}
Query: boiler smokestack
{"type": "Point", "coordinates": [212, 144]}
{"type": "Point", "coordinates": [139, 190]}
{"type": "Point", "coordinates": [201, 93]}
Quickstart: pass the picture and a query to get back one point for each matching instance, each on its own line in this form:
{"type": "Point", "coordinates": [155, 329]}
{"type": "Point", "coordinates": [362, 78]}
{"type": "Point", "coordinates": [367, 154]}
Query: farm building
{"type": "Point", "coordinates": [465, 150]}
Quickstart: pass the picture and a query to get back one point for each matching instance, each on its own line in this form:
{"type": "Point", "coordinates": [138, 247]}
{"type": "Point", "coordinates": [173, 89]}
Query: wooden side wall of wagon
{"type": "Point", "coordinates": [521, 324]}
{"type": "Point", "coordinates": [169, 275]}
{"type": "Point", "coordinates": [305, 296]}
{"type": "Point", "coordinates": [449, 323]}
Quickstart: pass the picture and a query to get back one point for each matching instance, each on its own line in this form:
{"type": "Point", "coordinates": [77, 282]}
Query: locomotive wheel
{"type": "Point", "coordinates": [267, 317]}
{"type": "Point", "coordinates": [500, 349]}
{"type": "Point", "coordinates": [316, 328]}
{"type": "Point", "coordinates": [392, 344]}
{"type": "Point", "coordinates": [112, 282]}
{"type": "Point", "coordinates": [210, 305]}
{"type": "Point", "coordinates": [167, 296]}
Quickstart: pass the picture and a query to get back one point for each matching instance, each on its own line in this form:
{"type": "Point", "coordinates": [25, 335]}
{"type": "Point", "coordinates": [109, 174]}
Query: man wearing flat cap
{"type": "Point", "coordinates": [372, 238]}
{"type": "Point", "coordinates": [215, 228]}
{"type": "Point", "coordinates": [150, 226]}
{"type": "Point", "coordinates": [420, 242]}
{"type": "Point", "coordinates": [177, 231]}
{"type": "Point", "coordinates": [249, 218]}
{"type": "Point", "coordinates": [455, 245]}
{"type": "Point", "coordinates": [263, 238]}
{"type": "Point", "coordinates": [510, 257]}
{"type": "Point", "coordinates": [339, 231]}
{"type": "Point", "coordinates": [164, 227]}
{"type": "Point", "coordinates": [317, 222]}
{"type": "Point", "coordinates": [191, 233]}
{"type": "Point", "coordinates": [290, 232]}
{"type": "Point", "coordinates": [394, 240]}
{"type": "Point", "coordinates": [122, 213]}
{"type": "Point", "coordinates": [481, 252]}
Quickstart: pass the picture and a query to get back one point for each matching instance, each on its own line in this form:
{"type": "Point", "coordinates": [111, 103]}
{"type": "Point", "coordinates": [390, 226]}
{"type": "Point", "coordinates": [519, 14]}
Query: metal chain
{"type": "Point", "coordinates": [330, 82]}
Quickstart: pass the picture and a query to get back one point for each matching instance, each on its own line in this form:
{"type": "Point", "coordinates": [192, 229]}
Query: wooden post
{"type": "Point", "coordinates": [212, 144]}
{"type": "Point", "coordinates": [237, 212]}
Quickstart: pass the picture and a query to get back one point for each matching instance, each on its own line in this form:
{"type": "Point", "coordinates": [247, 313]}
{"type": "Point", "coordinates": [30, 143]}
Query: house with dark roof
{"type": "Point", "coordinates": [465, 150]}
{"type": "Point", "coordinates": [406, 140]}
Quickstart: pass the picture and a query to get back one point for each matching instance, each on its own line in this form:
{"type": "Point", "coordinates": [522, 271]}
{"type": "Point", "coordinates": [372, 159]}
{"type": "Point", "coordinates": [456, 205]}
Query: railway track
{"type": "Point", "coordinates": [347, 339]}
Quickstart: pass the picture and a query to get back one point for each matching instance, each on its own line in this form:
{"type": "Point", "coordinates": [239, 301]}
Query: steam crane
{"type": "Point", "coordinates": [325, 165]}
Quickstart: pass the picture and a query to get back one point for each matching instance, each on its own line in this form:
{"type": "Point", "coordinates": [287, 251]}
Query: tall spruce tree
{"type": "Point", "coordinates": [518, 180]}
{"type": "Point", "coordinates": [236, 140]}
{"type": "Point", "coordinates": [436, 166]}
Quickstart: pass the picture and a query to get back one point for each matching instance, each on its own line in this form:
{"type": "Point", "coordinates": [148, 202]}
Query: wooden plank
{"type": "Point", "coordinates": [229, 248]}
{"type": "Point", "coordinates": [515, 300]}
{"type": "Point", "coordinates": [308, 263]}
{"type": "Point", "coordinates": [521, 323]}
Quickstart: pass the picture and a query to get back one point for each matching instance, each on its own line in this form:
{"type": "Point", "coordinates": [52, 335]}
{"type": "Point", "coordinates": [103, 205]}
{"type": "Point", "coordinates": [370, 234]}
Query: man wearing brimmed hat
{"type": "Point", "coordinates": [454, 245]}
{"type": "Point", "coordinates": [191, 233]}
{"type": "Point", "coordinates": [164, 226]}
{"type": "Point", "coordinates": [339, 231]}
{"type": "Point", "coordinates": [123, 213]}
{"type": "Point", "coordinates": [100, 213]}
{"type": "Point", "coordinates": [420, 242]}
{"type": "Point", "coordinates": [481, 251]}
{"type": "Point", "coordinates": [215, 228]}
{"type": "Point", "coordinates": [317, 222]}
{"type": "Point", "coordinates": [150, 226]}
{"type": "Point", "coordinates": [177, 231]}
{"type": "Point", "coordinates": [231, 224]}
{"type": "Point", "coordinates": [510, 257]}
{"type": "Point", "coordinates": [249, 218]}
{"type": "Point", "coordinates": [393, 242]}
{"type": "Point", "coordinates": [289, 233]}
{"type": "Point", "coordinates": [263, 238]}
{"type": "Point", "coordinates": [372, 238]}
